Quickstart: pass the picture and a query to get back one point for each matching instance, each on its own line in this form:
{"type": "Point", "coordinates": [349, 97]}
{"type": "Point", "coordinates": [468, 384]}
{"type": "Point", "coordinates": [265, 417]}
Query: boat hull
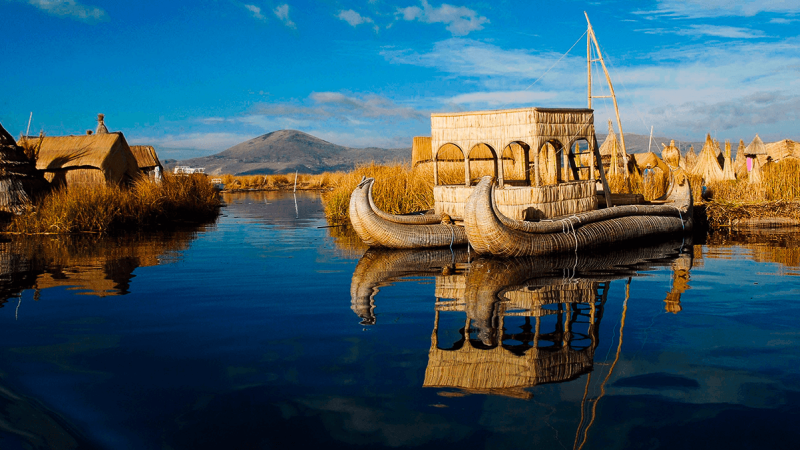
{"type": "Point", "coordinates": [489, 232]}
{"type": "Point", "coordinates": [380, 229]}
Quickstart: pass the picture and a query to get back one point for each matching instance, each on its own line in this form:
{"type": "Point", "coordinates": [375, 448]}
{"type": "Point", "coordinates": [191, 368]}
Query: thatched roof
{"type": "Point", "coordinates": [108, 152]}
{"type": "Point", "coordinates": [756, 147]}
{"type": "Point", "coordinates": [707, 165]}
{"type": "Point", "coordinates": [786, 148]}
{"type": "Point", "coordinates": [146, 157]}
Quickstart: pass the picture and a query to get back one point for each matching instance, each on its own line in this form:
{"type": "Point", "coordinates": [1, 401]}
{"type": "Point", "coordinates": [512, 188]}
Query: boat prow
{"type": "Point", "coordinates": [490, 232]}
{"type": "Point", "coordinates": [380, 229]}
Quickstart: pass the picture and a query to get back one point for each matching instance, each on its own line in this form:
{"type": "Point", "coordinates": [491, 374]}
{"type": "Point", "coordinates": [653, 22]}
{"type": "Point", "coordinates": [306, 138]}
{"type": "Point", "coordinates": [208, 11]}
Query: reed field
{"type": "Point", "coordinates": [106, 208]}
{"type": "Point", "coordinates": [281, 182]}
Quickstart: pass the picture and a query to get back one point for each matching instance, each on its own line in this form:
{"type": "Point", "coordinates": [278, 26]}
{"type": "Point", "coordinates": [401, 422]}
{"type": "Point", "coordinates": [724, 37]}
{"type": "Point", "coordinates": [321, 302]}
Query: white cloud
{"type": "Point", "coordinates": [709, 30]}
{"type": "Point", "coordinates": [501, 98]}
{"type": "Point", "coordinates": [460, 20]}
{"type": "Point", "coordinates": [282, 13]}
{"type": "Point", "coordinates": [335, 106]}
{"type": "Point", "coordinates": [214, 141]}
{"type": "Point", "coordinates": [70, 8]}
{"type": "Point", "coordinates": [353, 18]}
{"type": "Point", "coordinates": [723, 8]}
{"type": "Point", "coordinates": [256, 11]}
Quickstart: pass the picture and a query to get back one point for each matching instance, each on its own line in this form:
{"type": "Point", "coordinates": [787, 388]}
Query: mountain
{"type": "Point", "coordinates": [285, 151]}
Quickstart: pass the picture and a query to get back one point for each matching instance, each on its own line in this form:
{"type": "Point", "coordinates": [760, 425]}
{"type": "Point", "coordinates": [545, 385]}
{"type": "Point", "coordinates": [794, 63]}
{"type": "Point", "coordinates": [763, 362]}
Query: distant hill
{"type": "Point", "coordinates": [285, 151]}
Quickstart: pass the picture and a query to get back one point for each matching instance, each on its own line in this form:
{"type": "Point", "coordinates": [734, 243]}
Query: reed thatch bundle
{"type": "Point", "coordinates": [707, 166]}
{"type": "Point", "coordinates": [87, 159]}
{"type": "Point", "coordinates": [728, 172]}
{"type": "Point", "coordinates": [672, 156]}
{"type": "Point", "coordinates": [740, 164]}
{"type": "Point", "coordinates": [19, 180]}
{"type": "Point", "coordinates": [754, 176]}
{"type": "Point", "coordinates": [756, 147]}
{"type": "Point", "coordinates": [101, 126]}
{"type": "Point", "coordinates": [690, 159]}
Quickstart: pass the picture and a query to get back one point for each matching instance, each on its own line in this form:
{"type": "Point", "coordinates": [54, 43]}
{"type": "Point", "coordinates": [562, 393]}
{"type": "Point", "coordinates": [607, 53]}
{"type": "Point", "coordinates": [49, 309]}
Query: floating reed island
{"type": "Point", "coordinates": [94, 183]}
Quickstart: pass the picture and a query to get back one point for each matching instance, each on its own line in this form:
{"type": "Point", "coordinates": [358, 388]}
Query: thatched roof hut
{"type": "Point", "coordinates": [690, 159]}
{"type": "Point", "coordinates": [707, 165]}
{"type": "Point", "coordinates": [19, 180]}
{"type": "Point", "coordinates": [146, 158]}
{"type": "Point", "coordinates": [87, 159]}
{"type": "Point", "coordinates": [756, 147]}
{"type": "Point", "coordinates": [728, 172]}
{"type": "Point", "coordinates": [780, 150]}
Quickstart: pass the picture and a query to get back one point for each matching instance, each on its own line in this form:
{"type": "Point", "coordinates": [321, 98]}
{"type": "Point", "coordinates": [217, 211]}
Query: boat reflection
{"type": "Point", "coordinates": [91, 265]}
{"type": "Point", "coordinates": [523, 321]}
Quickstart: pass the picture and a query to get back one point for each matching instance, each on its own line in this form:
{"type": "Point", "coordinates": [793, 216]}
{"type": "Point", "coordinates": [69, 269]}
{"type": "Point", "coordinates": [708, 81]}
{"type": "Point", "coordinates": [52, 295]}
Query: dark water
{"type": "Point", "coordinates": [266, 331]}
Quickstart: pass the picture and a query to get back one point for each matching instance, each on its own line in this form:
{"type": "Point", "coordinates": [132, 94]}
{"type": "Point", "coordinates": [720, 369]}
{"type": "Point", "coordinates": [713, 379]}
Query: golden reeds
{"type": "Point", "coordinates": [107, 208]}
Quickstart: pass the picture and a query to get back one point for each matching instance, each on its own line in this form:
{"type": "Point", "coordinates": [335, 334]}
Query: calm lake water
{"type": "Point", "coordinates": [266, 330]}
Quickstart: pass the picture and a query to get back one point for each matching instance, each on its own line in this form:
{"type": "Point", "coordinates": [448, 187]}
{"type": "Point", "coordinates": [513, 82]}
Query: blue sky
{"type": "Point", "coordinates": [196, 77]}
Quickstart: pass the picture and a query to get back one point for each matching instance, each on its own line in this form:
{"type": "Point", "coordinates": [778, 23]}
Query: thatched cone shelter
{"type": "Point", "coordinates": [753, 151]}
{"type": "Point", "coordinates": [740, 164]}
{"type": "Point", "coordinates": [611, 154]}
{"type": "Point", "coordinates": [690, 159]}
{"type": "Point", "coordinates": [707, 165]}
{"type": "Point", "coordinates": [19, 179]}
{"type": "Point", "coordinates": [728, 172]}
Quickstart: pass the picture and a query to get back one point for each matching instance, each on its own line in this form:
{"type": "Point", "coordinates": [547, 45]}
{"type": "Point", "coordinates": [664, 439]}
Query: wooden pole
{"type": "Point", "coordinates": [613, 96]}
{"type": "Point", "coordinates": [589, 64]}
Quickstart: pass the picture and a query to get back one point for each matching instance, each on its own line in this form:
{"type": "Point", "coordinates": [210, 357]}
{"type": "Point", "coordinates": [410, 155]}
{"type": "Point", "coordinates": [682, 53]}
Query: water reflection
{"type": "Point", "coordinates": [769, 245]}
{"type": "Point", "coordinates": [87, 264]}
{"type": "Point", "coordinates": [523, 321]}
{"type": "Point", "coordinates": [280, 209]}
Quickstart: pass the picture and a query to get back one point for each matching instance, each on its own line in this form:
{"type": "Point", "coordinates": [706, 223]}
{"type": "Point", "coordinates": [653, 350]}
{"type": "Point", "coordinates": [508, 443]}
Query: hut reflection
{"type": "Point", "coordinates": [89, 264]}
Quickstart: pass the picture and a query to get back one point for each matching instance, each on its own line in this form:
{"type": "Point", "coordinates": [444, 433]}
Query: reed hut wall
{"type": "Point", "coordinates": [499, 128]}
{"type": "Point", "coordinates": [87, 159]}
{"type": "Point", "coordinates": [19, 180]}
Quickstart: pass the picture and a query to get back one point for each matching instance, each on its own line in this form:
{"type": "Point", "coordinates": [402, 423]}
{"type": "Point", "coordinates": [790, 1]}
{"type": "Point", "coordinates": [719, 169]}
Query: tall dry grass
{"type": "Point", "coordinates": [109, 208]}
{"type": "Point", "coordinates": [277, 182]}
{"type": "Point", "coordinates": [779, 182]}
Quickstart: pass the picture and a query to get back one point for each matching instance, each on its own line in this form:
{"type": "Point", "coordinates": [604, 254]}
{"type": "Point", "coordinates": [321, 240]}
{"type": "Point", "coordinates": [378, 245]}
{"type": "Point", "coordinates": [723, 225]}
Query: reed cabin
{"type": "Point", "coordinates": [544, 160]}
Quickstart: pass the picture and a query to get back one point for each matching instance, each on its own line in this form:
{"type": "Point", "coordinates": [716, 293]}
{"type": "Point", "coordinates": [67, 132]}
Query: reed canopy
{"type": "Point", "coordinates": [756, 147]}
{"type": "Point", "coordinates": [87, 159]}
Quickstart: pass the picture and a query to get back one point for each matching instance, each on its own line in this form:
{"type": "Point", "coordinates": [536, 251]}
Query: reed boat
{"type": "Point", "coordinates": [491, 232]}
{"type": "Point", "coordinates": [380, 229]}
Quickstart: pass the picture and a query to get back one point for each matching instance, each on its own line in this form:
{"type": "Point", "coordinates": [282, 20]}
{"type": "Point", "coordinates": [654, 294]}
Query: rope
{"type": "Point", "coordinates": [559, 60]}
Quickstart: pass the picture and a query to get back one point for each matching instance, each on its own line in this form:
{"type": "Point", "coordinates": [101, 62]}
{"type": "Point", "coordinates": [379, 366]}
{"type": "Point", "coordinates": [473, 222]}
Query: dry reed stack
{"type": "Point", "coordinates": [754, 151]}
{"type": "Point", "coordinates": [707, 166]}
{"type": "Point", "coordinates": [19, 180]}
{"type": "Point", "coordinates": [740, 164]}
{"type": "Point", "coordinates": [672, 156]}
{"type": "Point", "coordinates": [727, 172]}
{"type": "Point", "coordinates": [690, 159]}
{"type": "Point", "coordinates": [610, 152]}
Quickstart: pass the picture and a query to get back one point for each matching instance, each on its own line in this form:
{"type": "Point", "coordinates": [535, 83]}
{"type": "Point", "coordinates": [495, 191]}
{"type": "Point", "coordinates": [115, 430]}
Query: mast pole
{"type": "Point", "coordinates": [589, 63]}
{"type": "Point", "coordinates": [613, 96]}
